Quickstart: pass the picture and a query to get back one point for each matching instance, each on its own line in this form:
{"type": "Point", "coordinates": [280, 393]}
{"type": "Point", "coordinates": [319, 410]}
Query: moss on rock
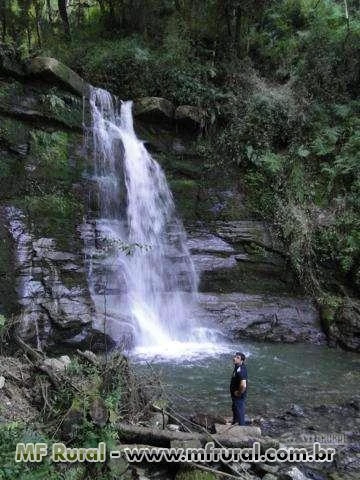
{"type": "Point", "coordinates": [52, 215]}
{"type": "Point", "coordinates": [55, 71]}
{"type": "Point", "coordinates": [186, 194]}
{"type": "Point", "coordinates": [51, 107]}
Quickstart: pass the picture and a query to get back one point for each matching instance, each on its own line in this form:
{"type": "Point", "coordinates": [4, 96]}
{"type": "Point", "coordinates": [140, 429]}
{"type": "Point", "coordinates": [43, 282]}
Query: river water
{"type": "Point", "coordinates": [279, 374]}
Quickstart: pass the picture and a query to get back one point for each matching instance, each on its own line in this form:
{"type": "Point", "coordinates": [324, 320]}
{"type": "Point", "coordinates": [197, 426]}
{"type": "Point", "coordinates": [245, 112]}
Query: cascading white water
{"type": "Point", "coordinates": [152, 290]}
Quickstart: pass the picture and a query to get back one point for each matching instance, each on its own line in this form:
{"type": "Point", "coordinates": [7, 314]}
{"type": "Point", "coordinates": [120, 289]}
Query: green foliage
{"type": "Point", "coordinates": [10, 91]}
{"type": "Point", "coordinates": [271, 163]}
{"type": "Point", "coordinates": [54, 207]}
{"type": "Point", "coordinates": [12, 179]}
{"type": "Point", "coordinates": [330, 65]}
{"type": "Point", "coordinates": [260, 196]}
{"type": "Point", "coordinates": [50, 160]}
{"type": "Point", "coordinates": [58, 213]}
{"type": "Point", "coordinates": [123, 65]}
{"type": "Point", "coordinates": [297, 229]}
{"type": "Point", "coordinates": [10, 435]}
{"type": "Point", "coordinates": [50, 152]}
{"type": "Point", "coordinates": [75, 403]}
{"type": "Point", "coordinates": [66, 416]}
{"type": "Point", "coordinates": [185, 192]}
{"type": "Point", "coordinates": [90, 400]}
{"type": "Point", "coordinates": [329, 305]}
{"type": "Point", "coordinates": [339, 244]}
{"type": "Point", "coordinates": [331, 301]}
{"type": "Point", "coordinates": [56, 103]}
{"type": "Point", "coordinates": [264, 122]}
{"type": "Point", "coordinates": [37, 171]}
{"type": "Point", "coordinates": [45, 182]}
{"type": "Point", "coordinates": [313, 41]}
{"type": "Point", "coordinates": [285, 27]}
{"type": "Point", "coordinates": [177, 41]}
{"type": "Point", "coordinates": [74, 367]}
{"type": "Point", "coordinates": [303, 152]}
{"type": "Point", "coordinates": [13, 132]}
{"type": "Point", "coordinates": [325, 141]}
{"type": "Point", "coordinates": [131, 68]}
{"type": "Point", "coordinates": [7, 277]}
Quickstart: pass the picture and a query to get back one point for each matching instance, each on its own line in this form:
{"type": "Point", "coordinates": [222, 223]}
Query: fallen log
{"type": "Point", "coordinates": [154, 436]}
{"type": "Point", "coordinates": [163, 438]}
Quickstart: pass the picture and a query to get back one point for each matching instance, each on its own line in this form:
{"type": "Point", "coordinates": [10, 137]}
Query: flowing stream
{"type": "Point", "coordinates": [141, 275]}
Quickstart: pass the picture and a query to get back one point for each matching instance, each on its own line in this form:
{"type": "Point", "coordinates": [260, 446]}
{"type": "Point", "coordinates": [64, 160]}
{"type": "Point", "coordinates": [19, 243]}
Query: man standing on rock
{"type": "Point", "coordinates": [238, 388]}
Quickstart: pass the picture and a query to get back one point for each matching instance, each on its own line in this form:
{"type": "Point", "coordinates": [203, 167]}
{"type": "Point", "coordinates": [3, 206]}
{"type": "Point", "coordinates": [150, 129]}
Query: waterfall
{"type": "Point", "coordinates": [140, 270]}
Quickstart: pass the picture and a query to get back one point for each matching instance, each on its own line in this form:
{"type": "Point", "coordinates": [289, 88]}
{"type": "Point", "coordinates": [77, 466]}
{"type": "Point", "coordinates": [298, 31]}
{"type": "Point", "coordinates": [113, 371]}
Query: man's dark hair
{"type": "Point", "coordinates": [241, 355]}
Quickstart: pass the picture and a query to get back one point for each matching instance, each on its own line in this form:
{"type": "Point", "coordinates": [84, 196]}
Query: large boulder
{"type": "Point", "coordinates": [89, 339]}
{"type": "Point", "coordinates": [192, 118]}
{"type": "Point", "coordinates": [154, 110]}
{"type": "Point", "coordinates": [58, 364]}
{"type": "Point", "coordinates": [237, 430]}
{"type": "Point", "coordinates": [54, 71]}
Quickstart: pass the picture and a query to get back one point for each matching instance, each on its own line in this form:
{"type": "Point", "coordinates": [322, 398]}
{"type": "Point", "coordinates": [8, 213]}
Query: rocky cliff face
{"type": "Point", "coordinates": [55, 308]}
{"type": "Point", "coordinates": [245, 283]}
{"type": "Point", "coordinates": [43, 282]}
{"type": "Point", "coordinates": [247, 288]}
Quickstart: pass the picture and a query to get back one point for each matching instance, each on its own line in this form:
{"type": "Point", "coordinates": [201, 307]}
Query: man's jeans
{"type": "Point", "coordinates": [238, 408]}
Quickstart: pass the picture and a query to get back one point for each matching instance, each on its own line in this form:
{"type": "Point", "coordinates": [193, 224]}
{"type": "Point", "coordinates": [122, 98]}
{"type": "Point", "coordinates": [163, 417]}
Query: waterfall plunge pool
{"type": "Point", "coordinates": [279, 374]}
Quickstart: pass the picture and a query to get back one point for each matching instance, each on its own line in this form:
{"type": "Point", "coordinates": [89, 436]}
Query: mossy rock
{"type": "Point", "coordinates": [249, 277]}
{"type": "Point", "coordinates": [10, 62]}
{"type": "Point", "coordinates": [53, 215]}
{"type": "Point", "coordinates": [190, 117]}
{"type": "Point", "coordinates": [54, 71]}
{"type": "Point", "coordinates": [53, 160]}
{"type": "Point", "coordinates": [329, 306]}
{"type": "Point", "coordinates": [41, 184]}
{"type": "Point", "coordinates": [327, 317]}
{"type": "Point", "coordinates": [12, 176]}
{"type": "Point", "coordinates": [179, 168]}
{"type": "Point", "coordinates": [62, 107]}
{"type": "Point", "coordinates": [50, 107]}
{"type": "Point", "coordinates": [154, 109]}
{"type": "Point", "coordinates": [186, 197]}
{"type": "Point", "coordinates": [14, 134]}
{"type": "Point", "coordinates": [38, 170]}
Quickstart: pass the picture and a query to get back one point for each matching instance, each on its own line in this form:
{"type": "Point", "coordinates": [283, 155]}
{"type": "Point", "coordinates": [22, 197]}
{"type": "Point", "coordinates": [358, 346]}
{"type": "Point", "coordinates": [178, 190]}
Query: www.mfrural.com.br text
{"type": "Point", "coordinates": [58, 452]}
